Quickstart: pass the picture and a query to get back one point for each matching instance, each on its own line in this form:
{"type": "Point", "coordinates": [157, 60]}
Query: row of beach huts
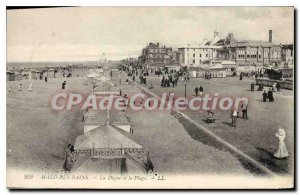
{"type": "Point", "coordinates": [32, 74]}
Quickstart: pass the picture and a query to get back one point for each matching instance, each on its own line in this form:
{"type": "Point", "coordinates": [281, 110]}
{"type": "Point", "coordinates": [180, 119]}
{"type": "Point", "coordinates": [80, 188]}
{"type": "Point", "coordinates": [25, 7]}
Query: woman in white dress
{"type": "Point", "coordinates": [281, 152]}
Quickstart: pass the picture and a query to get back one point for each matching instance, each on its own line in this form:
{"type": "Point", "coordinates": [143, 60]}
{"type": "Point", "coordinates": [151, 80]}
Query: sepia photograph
{"type": "Point", "coordinates": [191, 97]}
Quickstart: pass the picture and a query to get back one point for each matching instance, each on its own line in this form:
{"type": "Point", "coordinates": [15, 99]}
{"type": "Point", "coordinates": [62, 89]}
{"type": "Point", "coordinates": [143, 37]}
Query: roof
{"type": "Point", "coordinates": [104, 137]}
{"type": "Point", "coordinates": [251, 44]}
{"type": "Point", "coordinates": [201, 47]}
{"type": "Point", "coordinates": [95, 117]}
{"type": "Point", "coordinates": [104, 86]}
{"type": "Point", "coordinates": [227, 62]}
{"type": "Point", "coordinates": [118, 117]}
{"type": "Point", "coordinates": [102, 78]}
{"type": "Point", "coordinates": [93, 74]}
{"type": "Point", "coordinates": [217, 66]}
{"type": "Point", "coordinates": [288, 46]}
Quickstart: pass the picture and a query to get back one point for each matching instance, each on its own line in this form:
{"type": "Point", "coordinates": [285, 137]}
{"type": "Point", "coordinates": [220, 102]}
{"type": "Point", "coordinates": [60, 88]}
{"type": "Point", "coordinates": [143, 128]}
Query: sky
{"type": "Point", "coordinates": [84, 33]}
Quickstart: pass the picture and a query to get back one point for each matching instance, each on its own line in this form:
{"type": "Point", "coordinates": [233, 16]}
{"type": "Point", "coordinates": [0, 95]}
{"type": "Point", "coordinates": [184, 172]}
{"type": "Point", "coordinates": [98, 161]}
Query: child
{"type": "Point", "coordinates": [30, 87]}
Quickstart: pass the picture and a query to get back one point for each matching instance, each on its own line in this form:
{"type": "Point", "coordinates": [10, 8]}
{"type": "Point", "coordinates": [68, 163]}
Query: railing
{"type": "Point", "coordinates": [270, 82]}
{"type": "Point", "coordinates": [80, 160]}
{"type": "Point", "coordinates": [140, 166]}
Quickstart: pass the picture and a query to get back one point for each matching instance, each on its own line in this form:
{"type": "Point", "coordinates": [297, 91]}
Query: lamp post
{"type": "Point", "coordinates": [185, 87]}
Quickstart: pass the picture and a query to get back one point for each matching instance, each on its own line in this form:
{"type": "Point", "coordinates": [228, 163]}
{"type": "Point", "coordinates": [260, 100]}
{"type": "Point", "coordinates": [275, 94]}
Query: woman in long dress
{"type": "Point", "coordinates": [281, 152]}
{"type": "Point", "coordinates": [70, 157]}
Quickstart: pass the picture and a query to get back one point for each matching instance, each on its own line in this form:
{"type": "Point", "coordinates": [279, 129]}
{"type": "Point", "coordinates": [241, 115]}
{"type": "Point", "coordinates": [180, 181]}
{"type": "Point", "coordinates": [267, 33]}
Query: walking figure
{"type": "Point", "coordinates": [244, 110]}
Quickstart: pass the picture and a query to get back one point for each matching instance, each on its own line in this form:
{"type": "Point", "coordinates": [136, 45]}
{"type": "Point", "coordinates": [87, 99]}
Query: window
{"type": "Point", "coordinates": [193, 55]}
{"type": "Point", "coordinates": [193, 61]}
{"type": "Point", "coordinates": [200, 55]}
{"type": "Point", "coordinates": [206, 55]}
{"type": "Point", "coordinates": [247, 55]}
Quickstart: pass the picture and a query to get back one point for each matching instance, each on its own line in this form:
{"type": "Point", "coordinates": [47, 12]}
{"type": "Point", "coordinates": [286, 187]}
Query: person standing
{"type": "Point", "coordinates": [201, 90]}
{"type": "Point", "coordinates": [270, 95]}
{"type": "Point", "coordinates": [133, 78]}
{"type": "Point", "coordinates": [252, 86]}
{"type": "Point", "coordinates": [70, 158]}
{"type": "Point", "coordinates": [234, 118]}
{"type": "Point", "coordinates": [244, 110]}
{"type": "Point", "coordinates": [196, 91]}
{"type": "Point", "coordinates": [46, 79]}
{"type": "Point", "coordinates": [281, 151]}
{"type": "Point", "coordinates": [265, 96]}
{"type": "Point", "coordinates": [278, 87]}
{"type": "Point", "coordinates": [63, 85]}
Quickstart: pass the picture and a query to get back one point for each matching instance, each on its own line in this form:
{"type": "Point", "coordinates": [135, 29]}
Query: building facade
{"type": "Point", "coordinates": [250, 52]}
{"type": "Point", "coordinates": [287, 51]}
{"type": "Point", "coordinates": [156, 54]}
{"type": "Point", "coordinates": [204, 53]}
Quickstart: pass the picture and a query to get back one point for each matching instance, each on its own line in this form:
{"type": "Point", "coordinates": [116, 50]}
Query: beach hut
{"type": "Point", "coordinates": [50, 73]}
{"type": "Point", "coordinates": [10, 76]}
{"type": "Point", "coordinates": [32, 74]}
{"type": "Point", "coordinates": [18, 76]}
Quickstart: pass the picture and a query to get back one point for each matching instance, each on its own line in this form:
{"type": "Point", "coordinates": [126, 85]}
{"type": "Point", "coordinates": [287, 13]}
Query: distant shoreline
{"type": "Point", "coordinates": [10, 65]}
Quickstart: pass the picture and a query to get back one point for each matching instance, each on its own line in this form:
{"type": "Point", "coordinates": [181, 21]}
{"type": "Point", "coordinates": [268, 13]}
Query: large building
{"type": "Point", "coordinates": [156, 54]}
{"type": "Point", "coordinates": [250, 52]}
{"type": "Point", "coordinates": [244, 52]}
{"type": "Point", "coordinates": [204, 53]}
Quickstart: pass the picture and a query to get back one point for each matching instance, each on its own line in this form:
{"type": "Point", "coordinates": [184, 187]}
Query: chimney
{"type": "Point", "coordinates": [270, 36]}
{"type": "Point", "coordinates": [157, 44]}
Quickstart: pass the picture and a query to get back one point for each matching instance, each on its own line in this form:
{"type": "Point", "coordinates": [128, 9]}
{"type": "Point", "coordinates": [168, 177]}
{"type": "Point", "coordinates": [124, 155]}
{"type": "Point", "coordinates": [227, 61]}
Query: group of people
{"type": "Point", "coordinates": [20, 88]}
{"type": "Point", "coordinates": [266, 95]}
{"type": "Point", "coordinates": [199, 90]}
{"type": "Point", "coordinates": [235, 113]}
{"type": "Point", "coordinates": [168, 80]}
